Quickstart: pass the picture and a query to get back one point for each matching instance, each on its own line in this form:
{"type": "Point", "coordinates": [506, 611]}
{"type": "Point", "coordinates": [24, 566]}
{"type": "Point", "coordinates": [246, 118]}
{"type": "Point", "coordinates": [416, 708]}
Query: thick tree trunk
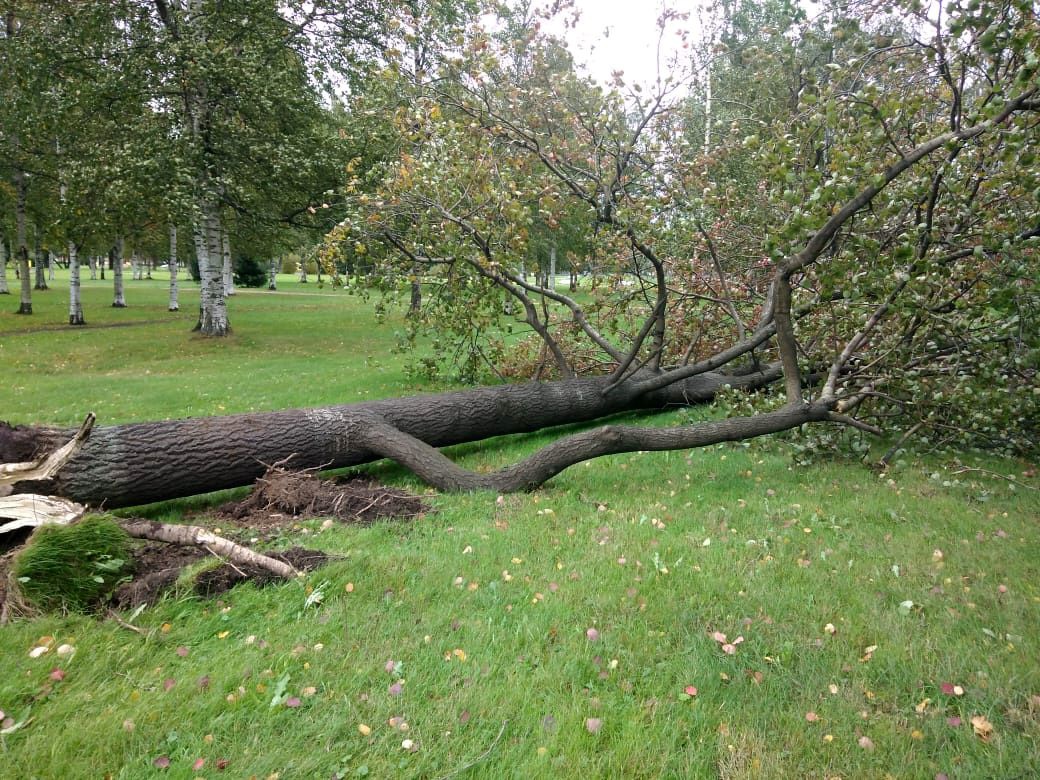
{"type": "Point", "coordinates": [75, 301]}
{"type": "Point", "coordinates": [132, 464]}
{"type": "Point", "coordinates": [213, 318]}
{"type": "Point", "coordinates": [116, 255]}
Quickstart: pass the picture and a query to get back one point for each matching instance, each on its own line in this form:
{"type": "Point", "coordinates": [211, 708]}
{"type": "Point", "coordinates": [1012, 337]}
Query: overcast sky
{"type": "Point", "coordinates": [631, 38]}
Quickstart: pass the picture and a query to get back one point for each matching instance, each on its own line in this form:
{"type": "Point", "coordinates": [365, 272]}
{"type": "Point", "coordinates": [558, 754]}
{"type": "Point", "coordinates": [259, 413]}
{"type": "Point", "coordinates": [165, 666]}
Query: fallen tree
{"type": "Point", "coordinates": [881, 239]}
{"type": "Point", "coordinates": [126, 465]}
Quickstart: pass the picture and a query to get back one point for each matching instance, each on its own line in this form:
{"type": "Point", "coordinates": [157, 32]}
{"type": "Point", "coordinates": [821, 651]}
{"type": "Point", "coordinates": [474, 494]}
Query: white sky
{"type": "Point", "coordinates": [631, 42]}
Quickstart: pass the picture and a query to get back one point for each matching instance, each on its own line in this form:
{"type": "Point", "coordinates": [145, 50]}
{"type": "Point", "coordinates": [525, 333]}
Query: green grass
{"type": "Point", "coordinates": [656, 551]}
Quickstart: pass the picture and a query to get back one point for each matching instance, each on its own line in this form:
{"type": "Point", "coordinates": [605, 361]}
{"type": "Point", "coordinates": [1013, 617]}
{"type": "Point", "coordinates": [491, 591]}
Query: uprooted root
{"type": "Point", "coordinates": [301, 494]}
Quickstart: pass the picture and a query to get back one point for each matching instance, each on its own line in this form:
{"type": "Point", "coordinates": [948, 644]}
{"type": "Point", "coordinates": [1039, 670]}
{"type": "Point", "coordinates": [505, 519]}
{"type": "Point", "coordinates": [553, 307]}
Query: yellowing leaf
{"type": "Point", "coordinates": [982, 727]}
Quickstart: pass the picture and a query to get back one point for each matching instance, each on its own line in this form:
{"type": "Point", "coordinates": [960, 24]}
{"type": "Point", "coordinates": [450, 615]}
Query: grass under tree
{"type": "Point", "coordinates": [876, 624]}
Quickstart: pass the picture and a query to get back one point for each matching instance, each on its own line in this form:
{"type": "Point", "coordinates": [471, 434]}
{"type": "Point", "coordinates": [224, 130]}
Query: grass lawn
{"type": "Point", "coordinates": [875, 625]}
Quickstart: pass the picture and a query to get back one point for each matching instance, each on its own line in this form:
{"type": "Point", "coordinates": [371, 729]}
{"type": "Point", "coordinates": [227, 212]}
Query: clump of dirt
{"type": "Point", "coordinates": [282, 494]}
{"type": "Point", "coordinates": [155, 567]}
{"type": "Point", "coordinates": [215, 581]}
{"type": "Point", "coordinates": [158, 565]}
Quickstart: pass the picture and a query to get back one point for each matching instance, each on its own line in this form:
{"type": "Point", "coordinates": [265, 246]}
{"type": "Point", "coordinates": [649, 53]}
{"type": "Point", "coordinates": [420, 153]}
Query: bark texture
{"type": "Point", "coordinates": [125, 465]}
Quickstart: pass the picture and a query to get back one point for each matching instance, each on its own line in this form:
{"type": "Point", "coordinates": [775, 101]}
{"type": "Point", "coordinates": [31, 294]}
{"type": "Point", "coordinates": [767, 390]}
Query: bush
{"type": "Point", "coordinates": [250, 272]}
{"type": "Point", "coordinates": [73, 567]}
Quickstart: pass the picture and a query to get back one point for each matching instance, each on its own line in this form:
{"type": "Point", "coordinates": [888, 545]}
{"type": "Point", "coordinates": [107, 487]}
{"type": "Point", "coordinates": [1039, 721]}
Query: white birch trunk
{"type": "Point", "coordinates": [119, 301]}
{"type": "Point", "coordinates": [25, 304]}
{"type": "Point", "coordinates": [93, 266]}
{"type": "Point", "coordinates": [174, 302]}
{"type": "Point", "coordinates": [4, 290]}
{"type": "Point", "coordinates": [51, 262]}
{"type": "Point", "coordinates": [552, 268]}
{"type": "Point", "coordinates": [135, 266]}
{"type": "Point", "coordinates": [213, 319]}
{"type": "Point", "coordinates": [75, 302]}
{"type": "Point", "coordinates": [229, 271]}
{"type": "Point", "coordinates": [41, 276]}
{"type": "Point", "coordinates": [272, 274]}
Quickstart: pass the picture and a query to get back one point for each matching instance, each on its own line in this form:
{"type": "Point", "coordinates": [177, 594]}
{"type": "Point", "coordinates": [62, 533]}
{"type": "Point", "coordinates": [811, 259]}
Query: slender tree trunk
{"type": "Point", "coordinates": [552, 269]}
{"type": "Point", "coordinates": [302, 273]}
{"type": "Point", "coordinates": [93, 266]}
{"type": "Point", "coordinates": [101, 263]}
{"type": "Point", "coordinates": [41, 260]}
{"type": "Point", "coordinates": [75, 302]}
{"type": "Point", "coordinates": [25, 303]}
{"type": "Point", "coordinates": [227, 266]}
{"type": "Point", "coordinates": [135, 266]}
{"type": "Point", "coordinates": [415, 304]}
{"type": "Point", "coordinates": [52, 260]}
{"type": "Point", "coordinates": [119, 301]}
{"type": "Point", "coordinates": [4, 290]}
{"type": "Point", "coordinates": [148, 267]}
{"type": "Point", "coordinates": [213, 319]}
{"type": "Point", "coordinates": [124, 465]}
{"type": "Point", "coordinates": [272, 274]}
{"type": "Point", "coordinates": [174, 302]}
{"type": "Point", "coordinates": [573, 279]}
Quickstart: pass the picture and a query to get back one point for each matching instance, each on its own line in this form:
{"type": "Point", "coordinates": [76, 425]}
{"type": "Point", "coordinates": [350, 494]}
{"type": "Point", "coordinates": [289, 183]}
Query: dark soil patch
{"type": "Point", "coordinates": [215, 581]}
{"type": "Point", "coordinates": [282, 495]}
{"type": "Point", "coordinates": [155, 567]}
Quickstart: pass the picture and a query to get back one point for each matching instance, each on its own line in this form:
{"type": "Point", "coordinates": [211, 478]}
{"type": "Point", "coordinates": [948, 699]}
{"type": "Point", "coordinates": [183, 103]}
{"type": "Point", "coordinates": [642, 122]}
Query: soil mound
{"type": "Point", "coordinates": [282, 495]}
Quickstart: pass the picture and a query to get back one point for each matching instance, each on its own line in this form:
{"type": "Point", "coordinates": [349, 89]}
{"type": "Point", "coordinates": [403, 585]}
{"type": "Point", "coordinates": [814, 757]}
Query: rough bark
{"type": "Point", "coordinates": [125, 465]}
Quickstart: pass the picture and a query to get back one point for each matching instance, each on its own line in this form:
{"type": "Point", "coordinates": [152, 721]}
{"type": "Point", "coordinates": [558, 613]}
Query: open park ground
{"type": "Point", "coordinates": [717, 613]}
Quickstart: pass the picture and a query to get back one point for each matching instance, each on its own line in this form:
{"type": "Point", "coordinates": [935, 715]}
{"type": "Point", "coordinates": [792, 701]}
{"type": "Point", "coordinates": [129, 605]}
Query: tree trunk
{"type": "Point", "coordinates": [213, 319]}
{"type": "Point", "coordinates": [119, 301]}
{"type": "Point", "coordinates": [174, 302]}
{"type": "Point", "coordinates": [93, 266]}
{"type": "Point", "coordinates": [41, 261]}
{"type": "Point", "coordinates": [75, 302]}
{"type": "Point", "coordinates": [125, 465]}
{"type": "Point", "coordinates": [4, 290]}
{"type": "Point", "coordinates": [226, 266]}
{"type": "Point", "coordinates": [272, 274]}
{"type": "Point", "coordinates": [135, 267]}
{"type": "Point", "coordinates": [552, 269]}
{"type": "Point", "coordinates": [25, 303]}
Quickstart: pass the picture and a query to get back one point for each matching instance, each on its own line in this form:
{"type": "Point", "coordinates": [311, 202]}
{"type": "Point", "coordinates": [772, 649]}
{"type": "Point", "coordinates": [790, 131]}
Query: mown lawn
{"type": "Point", "coordinates": [888, 621]}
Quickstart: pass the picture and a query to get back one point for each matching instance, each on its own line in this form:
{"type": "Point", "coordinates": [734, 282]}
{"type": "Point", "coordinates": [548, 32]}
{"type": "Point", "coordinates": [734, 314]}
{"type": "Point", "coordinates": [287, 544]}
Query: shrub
{"type": "Point", "coordinates": [250, 272]}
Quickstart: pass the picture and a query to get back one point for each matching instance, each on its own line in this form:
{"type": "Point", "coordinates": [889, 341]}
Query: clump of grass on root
{"type": "Point", "coordinates": [72, 567]}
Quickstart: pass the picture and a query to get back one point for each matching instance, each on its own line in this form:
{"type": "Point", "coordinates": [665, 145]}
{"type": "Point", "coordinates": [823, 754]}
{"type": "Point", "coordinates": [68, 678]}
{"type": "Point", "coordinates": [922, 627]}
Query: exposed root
{"type": "Point", "coordinates": [301, 494]}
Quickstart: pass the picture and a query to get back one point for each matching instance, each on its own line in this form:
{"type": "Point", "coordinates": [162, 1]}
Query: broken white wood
{"type": "Point", "coordinates": [28, 510]}
{"type": "Point", "coordinates": [48, 466]}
